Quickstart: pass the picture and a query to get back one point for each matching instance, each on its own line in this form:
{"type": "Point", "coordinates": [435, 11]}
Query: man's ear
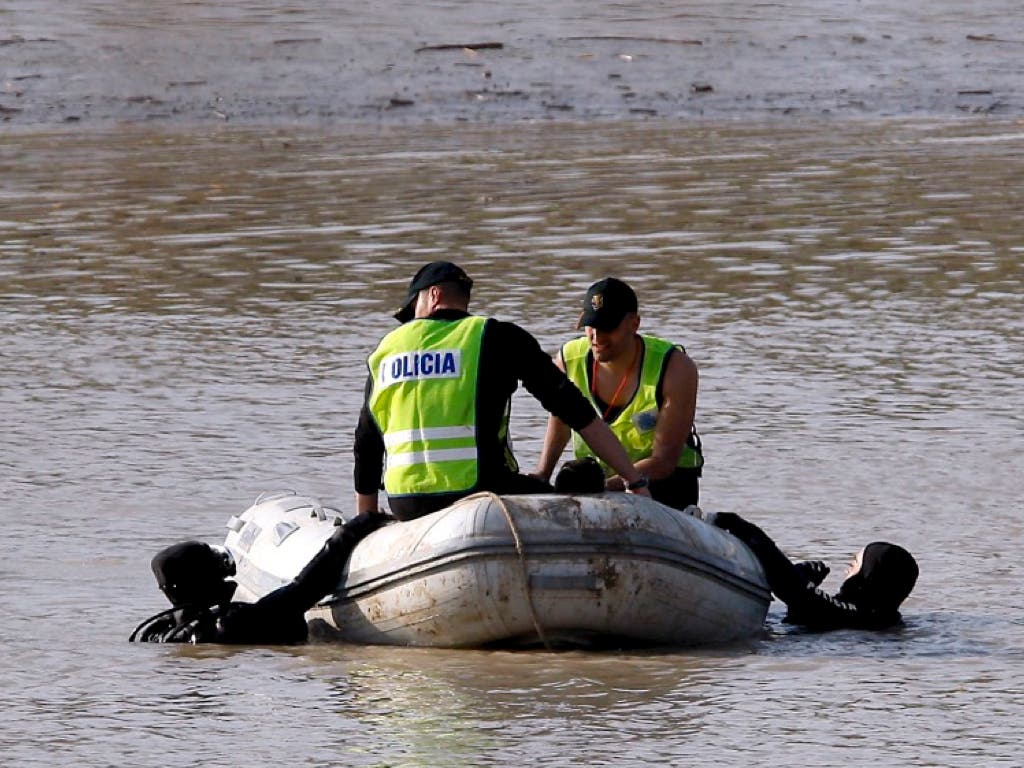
{"type": "Point", "coordinates": [433, 296]}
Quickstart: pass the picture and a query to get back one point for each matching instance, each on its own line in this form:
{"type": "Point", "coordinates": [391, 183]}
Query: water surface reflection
{"type": "Point", "coordinates": [185, 322]}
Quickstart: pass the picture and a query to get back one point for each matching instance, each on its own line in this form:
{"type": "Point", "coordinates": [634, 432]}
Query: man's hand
{"type": "Point", "coordinates": [639, 487]}
{"type": "Point", "coordinates": [615, 483]}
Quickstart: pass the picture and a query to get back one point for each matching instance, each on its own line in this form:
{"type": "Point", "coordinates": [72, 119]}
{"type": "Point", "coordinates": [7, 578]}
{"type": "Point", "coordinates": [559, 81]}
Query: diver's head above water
{"type": "Point", "coordinates": [880, 578]}
{"type": "Point", "coordinates": [195, 573]}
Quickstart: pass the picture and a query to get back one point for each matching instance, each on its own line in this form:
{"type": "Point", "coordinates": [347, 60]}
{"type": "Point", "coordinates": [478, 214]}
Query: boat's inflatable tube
{"type": "Point", "coordinates": [512, 570]}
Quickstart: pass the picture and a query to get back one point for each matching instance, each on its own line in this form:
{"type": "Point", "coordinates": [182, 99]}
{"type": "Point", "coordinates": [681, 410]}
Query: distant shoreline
{"type": "Point", "coordinates": [304, 69]}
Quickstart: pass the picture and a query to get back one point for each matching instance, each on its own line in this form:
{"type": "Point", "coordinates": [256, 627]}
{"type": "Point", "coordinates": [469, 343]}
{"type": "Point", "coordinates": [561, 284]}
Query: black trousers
{"type": "Point", "coordinates": [511, 484]}
{"type": "Point", "coordinates": [679, 490]}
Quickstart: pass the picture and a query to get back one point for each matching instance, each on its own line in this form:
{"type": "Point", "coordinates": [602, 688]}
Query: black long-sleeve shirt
{"type": "Point", "coordinates": [509, 356]}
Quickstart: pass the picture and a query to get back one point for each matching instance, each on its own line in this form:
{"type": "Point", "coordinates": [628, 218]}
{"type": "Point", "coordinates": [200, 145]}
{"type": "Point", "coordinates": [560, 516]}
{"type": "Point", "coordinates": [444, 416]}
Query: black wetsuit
{"type": "Point", "coordinates": [867, 600]}
{"type": "Point", "coordinates": [275, 619]}
{"type": "Point", "coordinates": [509, 356]}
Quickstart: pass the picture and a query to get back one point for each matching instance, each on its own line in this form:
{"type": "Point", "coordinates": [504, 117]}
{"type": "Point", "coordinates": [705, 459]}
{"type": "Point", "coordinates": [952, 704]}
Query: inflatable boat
{"type": "Point", "coordinates": [550, 570]}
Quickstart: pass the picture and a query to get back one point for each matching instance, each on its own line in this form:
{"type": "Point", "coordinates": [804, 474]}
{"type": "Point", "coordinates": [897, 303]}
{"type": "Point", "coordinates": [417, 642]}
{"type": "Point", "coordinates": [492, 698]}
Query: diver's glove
{"type": "Point", "coordinates": [814, 571]}
{"type": "Point", "coordinates": [728, 521]}
{"type": "Point", "coordinates": [194, 627]}
{"type": "Point", "coordinates": [362, 525]}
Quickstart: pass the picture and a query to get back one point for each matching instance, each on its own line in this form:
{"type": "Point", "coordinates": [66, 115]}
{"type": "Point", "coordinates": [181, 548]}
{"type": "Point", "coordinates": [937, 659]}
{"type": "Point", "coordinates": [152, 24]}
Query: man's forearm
{"type": "Point", "coordinates": [555, 439]}
{"type": "Point", "coordinates": [602, 442]}
{"type": "Point", "coordinates": [367, 502]}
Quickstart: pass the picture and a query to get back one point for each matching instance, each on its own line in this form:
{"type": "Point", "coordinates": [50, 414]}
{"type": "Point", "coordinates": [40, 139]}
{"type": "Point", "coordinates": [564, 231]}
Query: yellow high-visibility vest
{"type": "Point", "coordinates": [424, 400]}
{"type": "Point", "coordinates": [635, 424]}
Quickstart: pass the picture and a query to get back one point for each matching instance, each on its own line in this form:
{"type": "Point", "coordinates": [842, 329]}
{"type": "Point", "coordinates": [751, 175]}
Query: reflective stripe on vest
{"type": "Point", "coordinates": [424, 401]}
{"type": "Point", "coordinates": [635, 424]}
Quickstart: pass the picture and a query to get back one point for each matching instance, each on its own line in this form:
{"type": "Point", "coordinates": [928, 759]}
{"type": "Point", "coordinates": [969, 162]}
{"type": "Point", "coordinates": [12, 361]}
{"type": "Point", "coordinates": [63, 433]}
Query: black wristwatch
{"type": "Point", "coordinates": [643, 482]}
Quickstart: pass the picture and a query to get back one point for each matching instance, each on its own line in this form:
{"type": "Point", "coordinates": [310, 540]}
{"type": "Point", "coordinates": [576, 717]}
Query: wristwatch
{"type": "Point", "coordinates": [643, 482]}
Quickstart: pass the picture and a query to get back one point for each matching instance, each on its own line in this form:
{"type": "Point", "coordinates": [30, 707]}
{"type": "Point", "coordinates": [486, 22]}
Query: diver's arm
{"type": "Point", "coordinates": [784, 578]}
{"type": "Point", "coordinates": [279, 617]}
{"type": "Point", "coordinates": [322, 573]}
{"type": "Point", "coordinates": [797, 585]}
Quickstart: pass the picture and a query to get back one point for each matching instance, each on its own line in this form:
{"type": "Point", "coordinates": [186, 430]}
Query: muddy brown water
{"type": "Point", "coordinates": [186, 304]}
{"type": "Point", "coordinates": [185, 320]}
{"type": "Point", "coordinates": [393, 62]}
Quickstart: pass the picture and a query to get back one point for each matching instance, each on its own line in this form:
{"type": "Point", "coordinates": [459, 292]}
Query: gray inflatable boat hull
{"type": "Point", "coordinates": [514, 570]}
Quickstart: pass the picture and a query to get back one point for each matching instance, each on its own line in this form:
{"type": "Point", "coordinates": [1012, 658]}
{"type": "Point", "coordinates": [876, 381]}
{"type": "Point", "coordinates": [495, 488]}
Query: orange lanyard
{"type": "Point", "coordinates": [622, 382]}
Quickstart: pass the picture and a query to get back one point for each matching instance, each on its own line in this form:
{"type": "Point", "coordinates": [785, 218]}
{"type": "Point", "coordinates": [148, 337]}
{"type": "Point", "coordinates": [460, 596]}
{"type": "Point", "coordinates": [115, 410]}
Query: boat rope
{"type": "Point", "coordinates": [522, 563]}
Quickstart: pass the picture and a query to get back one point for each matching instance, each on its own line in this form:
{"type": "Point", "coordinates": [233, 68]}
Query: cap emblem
{"type": "Point", "coordinates": [597, 301]}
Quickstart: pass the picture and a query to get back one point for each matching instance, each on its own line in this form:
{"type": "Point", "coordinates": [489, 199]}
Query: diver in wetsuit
{"type": "Point", "coordinates": [880, 579]}
{"type": "Point", "coordinates": [195, 577]}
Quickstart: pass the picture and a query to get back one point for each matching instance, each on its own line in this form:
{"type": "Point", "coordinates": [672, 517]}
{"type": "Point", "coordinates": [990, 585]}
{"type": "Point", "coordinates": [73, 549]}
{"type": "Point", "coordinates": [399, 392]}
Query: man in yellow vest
{"type": "Point", "coordinates": [643, 387]}
{"type": "Point", "coordinates": [434, 424]}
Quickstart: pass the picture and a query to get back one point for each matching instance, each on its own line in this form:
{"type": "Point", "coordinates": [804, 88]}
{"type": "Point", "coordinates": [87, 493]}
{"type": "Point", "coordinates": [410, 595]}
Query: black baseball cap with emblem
{"type": "Point", "coordinates": [432, 274]}
{"type": "Point", "coordinates": [606, 303]}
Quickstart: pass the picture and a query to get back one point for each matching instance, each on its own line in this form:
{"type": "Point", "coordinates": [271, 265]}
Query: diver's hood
{"type": "Point", "coordinates": [887, 574]}
{"type": "Point", "coordinates": [194, 573]}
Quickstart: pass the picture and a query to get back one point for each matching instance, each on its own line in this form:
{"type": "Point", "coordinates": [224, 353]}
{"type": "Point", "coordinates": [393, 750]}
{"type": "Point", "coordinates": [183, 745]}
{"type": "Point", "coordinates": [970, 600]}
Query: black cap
{"type": "Point", "coordinates": [606, 303]}
{"type": "Point", "coordinates": [432, 274]}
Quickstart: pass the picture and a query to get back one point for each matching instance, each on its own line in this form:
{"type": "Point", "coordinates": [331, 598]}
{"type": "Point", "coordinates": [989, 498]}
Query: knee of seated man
{"type": "Point", "coordinates": [580, 476]}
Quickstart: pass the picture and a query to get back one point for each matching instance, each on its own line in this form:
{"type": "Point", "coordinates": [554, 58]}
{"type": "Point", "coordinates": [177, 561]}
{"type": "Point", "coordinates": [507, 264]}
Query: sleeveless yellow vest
{"type": "Point", "coordinates": [424, 400]}
{"type": "Point", "coordinates": [634, 426]}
